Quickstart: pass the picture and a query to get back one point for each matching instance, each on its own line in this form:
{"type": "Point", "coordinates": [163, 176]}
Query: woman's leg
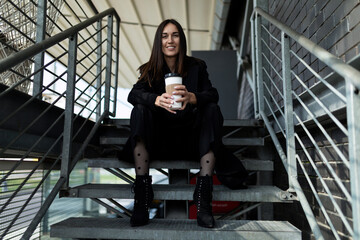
{"type": "Point", "coordinates": [210, 137]}
{"type": "Point", "coordinates": [141, 158]}
{"type": "Point", "coordinates": [209, 143]}
{"type": "Point", "coordinates": [207, 164]}
{"type": "Point", "coordinates": [141, 132]}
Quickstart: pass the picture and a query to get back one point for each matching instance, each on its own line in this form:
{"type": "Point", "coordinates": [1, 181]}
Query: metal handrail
{"type": "Point", "coordinates": [92, 106]}
{"type": "Point", "coordinates": [37, 48]}
{"type": "Point", "coordinates": [345, 70]}
{"type": "Point", "coordinates": [284, 117]}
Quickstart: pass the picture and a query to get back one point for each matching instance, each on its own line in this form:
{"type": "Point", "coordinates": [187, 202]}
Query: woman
{"type": "Point", "coordinates": [157, 132]}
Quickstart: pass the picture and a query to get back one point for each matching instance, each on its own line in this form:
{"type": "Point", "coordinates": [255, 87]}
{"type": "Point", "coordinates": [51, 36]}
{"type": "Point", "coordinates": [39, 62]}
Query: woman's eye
{"type": "Point", "coordinates": [164, 36]}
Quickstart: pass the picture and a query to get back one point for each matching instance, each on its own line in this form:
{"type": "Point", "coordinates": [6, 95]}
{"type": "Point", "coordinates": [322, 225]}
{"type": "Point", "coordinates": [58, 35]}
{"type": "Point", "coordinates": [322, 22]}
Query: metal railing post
{"type": "Point", "coordinates": [259, 64]}
{"type": "Point", "coordinates": [116, 65]}
{"type": "Point", "coordinates": [98, 68]}
{"type": "Point", "coordinates": [39, 58]}
{"type": "Point", "coordinates": [353, 115]}
{"type": "Point", "coordinates": [254, 72]}
{"type": "Point", "coordinates": [69, 110]}
{"type": "Point", "coordinates": [108, 63]}
{"type": "Point", "coordinates": [288, 110]}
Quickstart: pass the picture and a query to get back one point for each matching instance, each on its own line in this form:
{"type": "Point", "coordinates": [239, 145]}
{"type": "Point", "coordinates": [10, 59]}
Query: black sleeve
{"type": "Point", "coordinates": [142, 93]}
{"type": "Point", "coordinates": [206, 92]}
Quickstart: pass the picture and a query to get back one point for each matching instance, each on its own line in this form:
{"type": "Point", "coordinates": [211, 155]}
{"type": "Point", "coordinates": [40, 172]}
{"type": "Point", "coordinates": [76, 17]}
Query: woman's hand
{"type": "Point", "coordinates": [165, 101]}
{"type": "Point", "coordinates": [187, 97]}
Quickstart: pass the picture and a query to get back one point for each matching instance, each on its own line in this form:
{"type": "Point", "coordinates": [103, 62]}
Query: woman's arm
{"type": "Point", "coordinates": [141, 93]}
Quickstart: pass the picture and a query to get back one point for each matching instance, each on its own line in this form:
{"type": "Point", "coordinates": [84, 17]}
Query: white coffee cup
{"type": "Point", "coordinates": [172, 80]}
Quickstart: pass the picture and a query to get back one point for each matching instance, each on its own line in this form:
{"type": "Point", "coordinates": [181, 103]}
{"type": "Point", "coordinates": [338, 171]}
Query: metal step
{"type": "Point", "coordinates": [229, 142]}
{"type": "Point", "coordinates": [249, 164]}
{"type": "Point", "coordinates": [164, 229]}
{"type": "Point", "coordinates": [227, 123]}
{"type": "Point", "coordinates": [182, 192]}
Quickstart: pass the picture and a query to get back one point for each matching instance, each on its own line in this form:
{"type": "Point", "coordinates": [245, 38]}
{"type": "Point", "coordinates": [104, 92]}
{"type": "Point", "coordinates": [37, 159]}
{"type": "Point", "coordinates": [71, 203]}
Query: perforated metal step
{"type": "Point", "coordinates": [182, 192]}
{"type": "Point", "coordinates": [165, 229]}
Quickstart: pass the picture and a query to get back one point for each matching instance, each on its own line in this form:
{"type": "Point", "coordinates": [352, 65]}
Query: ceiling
{"type": "Point", "coordinates": [140, 18]}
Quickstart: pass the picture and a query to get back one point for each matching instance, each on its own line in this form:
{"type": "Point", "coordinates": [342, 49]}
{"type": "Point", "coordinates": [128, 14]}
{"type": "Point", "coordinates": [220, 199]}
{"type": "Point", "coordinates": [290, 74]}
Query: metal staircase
{"type": "Point", "coordinates": [236, 135]}
{"type": "Point", "coordinates": [58, 137]}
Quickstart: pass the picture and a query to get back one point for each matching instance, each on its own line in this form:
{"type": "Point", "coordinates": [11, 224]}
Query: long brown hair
{"type": "Point", "coordinates": [153, 69]}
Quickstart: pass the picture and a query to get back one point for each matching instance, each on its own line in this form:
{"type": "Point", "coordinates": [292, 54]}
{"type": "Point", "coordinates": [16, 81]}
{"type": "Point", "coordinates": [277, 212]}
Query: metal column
{"type": "Point", "coordinates": [108, 63]}
{"type": "Point", "coordinates": [353, 115]}
{"type": "Point", "coordinates": [98, 69]}
{"type": "Point", "coordinates": [39, 58]}
{"type": "Point", "coordinates": [69, 110]}
{"type": "Point", "coordinates": [288, 110]}
{"type": "Point", "coordinates": [259, 64]}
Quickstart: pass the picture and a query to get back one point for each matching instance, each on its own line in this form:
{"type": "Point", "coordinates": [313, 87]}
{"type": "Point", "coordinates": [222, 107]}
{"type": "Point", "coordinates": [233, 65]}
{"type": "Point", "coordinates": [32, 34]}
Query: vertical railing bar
{"type": "Point", "coordinates": [324, 159]}
{"type": "Point", "coordinates": [108, 63]}
{"type": "Point", "coordinates": [69, 110]}
{"type": "Point", "coordinates": [353, 116]}
{"type": "Point", "coordinates": [117, 45]}
{"type": "Point", "coordinates": [316, 195]}
{"type": "Point", "coordinates": [254, 66]}
{"type": "Point", "coordinates": [334, 90]}
{"type": "Point", "coordinates": [337, 122]}
{"type": "Point", "coordinates": [288, 109]}
{"type": "Point", "coordinates": [98, 68]}
{"type": "Point", "coordinates": [259, 64]}
{"type": "Point", "coordinates": [40, 36]}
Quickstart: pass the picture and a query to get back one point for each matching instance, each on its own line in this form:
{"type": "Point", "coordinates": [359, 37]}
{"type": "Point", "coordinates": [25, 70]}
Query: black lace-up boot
{"type": "Point", "coordinates": [202, 199]}
{"type": "Point", "coordinates": [143, 198]}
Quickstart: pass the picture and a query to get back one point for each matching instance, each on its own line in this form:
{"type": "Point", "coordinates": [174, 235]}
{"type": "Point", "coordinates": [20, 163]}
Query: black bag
{"type": "Point", "coordinates": [230, 171]}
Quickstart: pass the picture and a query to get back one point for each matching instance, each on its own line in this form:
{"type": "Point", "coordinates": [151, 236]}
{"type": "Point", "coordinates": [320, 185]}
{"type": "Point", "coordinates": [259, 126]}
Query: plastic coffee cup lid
{"type": "Point", "coordinates": [172, 75]}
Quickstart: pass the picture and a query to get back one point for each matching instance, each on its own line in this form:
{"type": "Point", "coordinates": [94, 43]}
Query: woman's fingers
{"type": "Point", "coordinates": [166, 101]}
